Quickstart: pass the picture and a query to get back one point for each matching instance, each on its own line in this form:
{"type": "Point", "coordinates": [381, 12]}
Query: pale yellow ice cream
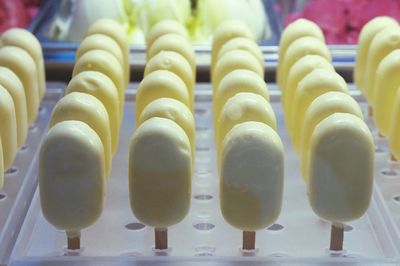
{"type": "Point", "coordinates": [71, 176]}
{"type": "Point", "coordinates": [160, 168]}
{"type": "Point", "coordinates": [164, 27]}
{"type": "Point", "coordinates": [252, 173]}
{"type": "Point", "coordinates": [160, 84]}
{"type": "Point", "coordinates": [84, 107]}
{"type": "Point", "coordinates": [10, 81]}
{"type": "Point", "coordinates": [22, 64]}
{"type": "Point", "coordinates": [368, 32]}
{"type": "Point", "coordinates": [295, 30]}
{"type": "Point", "coordinates": [394, 129]}
{"type": "Point", "coordinates": [26, 40]}
{"type": "Point", "coordinates": [8, 128]}
{"type": "Point", "coordinates": [175, 63]}
{"type": "Point", "coordinates": [100, 86]}
{"type": "Point", "coordinates": [341, 168]}
{"type": "Point", "coordinates": [322, 107]}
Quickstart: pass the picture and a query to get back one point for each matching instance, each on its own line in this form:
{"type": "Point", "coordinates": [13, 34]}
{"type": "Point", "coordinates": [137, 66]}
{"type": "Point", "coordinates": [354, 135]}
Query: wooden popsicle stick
{"type": "Point", "coordinates": [393, 158]}
{"type": "Point", "coordinates": [336, 238]}
{"type": "Point", "coordinates": [74, 243]}
{"type": "Point", "coordinates": [370, 111]}
{"type": "Point", "coordinates": [249, 240]}
{"type": "Point", "coordinates": [161, 238]}
{"type": "Point", "coordinates": [381, 135]}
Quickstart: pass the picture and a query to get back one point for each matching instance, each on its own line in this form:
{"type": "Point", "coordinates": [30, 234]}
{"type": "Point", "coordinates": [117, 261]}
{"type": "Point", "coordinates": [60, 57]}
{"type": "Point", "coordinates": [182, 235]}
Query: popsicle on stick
{"type": "Point", "coordinates": [27, 41]}
{"type": "Point", "coordinates": [251, 173]}
{"type": "Point", "coordinates": [22, 64]}
{"type": "Point", "coordinates": [322, 107]}
{"type": "Point", "coordinates": [112, 28]}
{"type": "Point", "coordinates": [368, 32]}
{"type": "Point", "coordinates": [341, 171]}
{"type": "Point", "coordinates": [160, 168]}
{"type": "Point", "coordinates": [2, 170]}
{"type": "Point", "coordinates": [71, 178]}
{"type": "Point", "coordinates": [394, 128]}
{"type": "Point", "coordinates": [8, 128]}
{"type": "Point", "coordinates": [295, 30]}
{"type": "Point", "coordinates": [100, 86]}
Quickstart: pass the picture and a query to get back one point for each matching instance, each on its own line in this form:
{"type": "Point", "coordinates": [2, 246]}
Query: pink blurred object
{"type": "Point", "coordinates": [342, 20]}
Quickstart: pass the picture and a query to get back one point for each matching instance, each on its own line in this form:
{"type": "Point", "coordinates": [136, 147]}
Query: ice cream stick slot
{"type": "Point", "coordinates": [249, 240]}
{"type": "Point", "coordinates": [161, 238]}
{"type": "Point", "coordinates": [74, 243]}
{"type": "Point", "coordinates": [370, 111]}
{"type": "Point", "coordinates": [336, 238]}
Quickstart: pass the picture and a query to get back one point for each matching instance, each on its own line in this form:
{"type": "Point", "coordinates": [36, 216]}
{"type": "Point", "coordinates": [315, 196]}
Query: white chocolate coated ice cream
{"type": "Point", "coordinates": [71, 176]}
{"type": "Point", "coordinates": [243, 107]}
{"type": "Point", "coordinates": [115, 30]}
{"type": "Point", "coordinates": [160, 84]}
{"type": "Point", "coordinates": [341, 168]}
{"type": "Point", "coordinates": [160, 168]}
{"type": "Point", "coordinates": [322, 107]}
{"type": "Point", "coordinates": [164, 27]}
{"type": "Point", "coordinates": [368, 32]}
{"type": "Point", "coordinates": [88, 109]}
{"type": "Point", "coordinates": [394, 129]}
{"type": "Point", "coordinates": [2, 170]}
{"type": "Point", "coordinates": [8, 128]}
{"type": "Point", "coordinates": [10, 81]}
{"type": "Point", "coordinates": [251, 173]}
{"type": "Point", "coordinates": [106, 63]}
{"type": "Point", "coordinates": [295, 30]}
{"type": "Point", "coordinates": [22, 64]}
{"type": "Point", "coordinates": [313, 85]}
{"type": "Point", "coordinates": [26, 40]}
{"type": "Point", "coordinates": [100, 86]}
{"type": "Point", "coordinates": [297, 49]}
{"type": "Point", "coordinates": [175, 63]}
{"type": "Point", "coordinates": [387, 83]}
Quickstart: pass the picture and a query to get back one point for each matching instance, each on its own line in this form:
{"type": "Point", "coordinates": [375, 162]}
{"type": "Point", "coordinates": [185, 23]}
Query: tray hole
{"type": "Point", "coordinates": [12, 170]}
{"type": "Point", "coordinates": [204, 226]}
{"type": "Point", "coordinates": [200, 112]}
{"type": "Point", "coordinates": [204, 251]}
{"type": "Point", "coordinates": [348, 228]}
{"type": "Point", "coordinates": [135, 226]}
{"type": "Point", "coordinates": [3, 196]}
{"type": "Point", "coordinates": [279, 255]}
{"type": "Point", "coordinates": [202, 148]}
{"type": "Point", "coordinates": [203, 197]}
{"type": "Point", "coordinates": [397, 198]}
{"type": "Point", "coordinates": [248, 252]}
{"type": "Point", "coordinates": [42, 109]}
{"type": "Point", "coordinates": [275, 227]}
{"type": "Point", "coordinates": [24, 147]}
{"type": "Point", "coordinates": [33, 127]}
{"type": "Point", "coordinates": [389, 172]}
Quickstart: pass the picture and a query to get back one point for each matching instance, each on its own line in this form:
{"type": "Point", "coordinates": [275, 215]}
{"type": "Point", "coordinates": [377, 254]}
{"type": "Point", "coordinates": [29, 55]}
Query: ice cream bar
{"type": "Point", "coordinates": [22, 64]}
{"type": "Point", "coordinates": [102, 42]}
{"type": "Point", "coordinates": [242, 43]}
{"type": "Point", "coordinates": [368, 32]}
{"type": "Point", "coordinates": [160, 84]}
{"type": "Point", "coordinates": [106, 63]}
{"type": "Point", "coordinates": [232, 60]}
{"type": "Point", "coordinates": [387, 83]}
{"type": "Point", "coordinates": [13, 85]}
{"type": "Point", "coordinates": [322, 107]}
{"type": "Point", "coordinates": [176, 43]}
{"type": "Point", "coordinates": [297, 49]}
{"type": "Point", "coordinates": [164, 27]}
{"type": "Point", "coordinates": [226, 31]}
{"type": "Point", "coordinates": [71, 177]}
{"type": "Point", "coordinates": [176, 63]}
{"type": "Point", "coordinates": [295, 30]}
{"type": "Point", "coordinates": [160, 168]}
{"type": "Point", "coordinates": [100, 86]}
{"type": "Point", "coordinates": [394, 129]}
{"type": "Point", "coordinates": [240, 80]}
{"type": "Point", "coordinates": [297, 72]}
{"type": "Point", "coordinates": [382, 44]}
{"type": "Point", "coordinates": [341, 168]}
{"type": "Point", "coordinates": [252, 172]}
{"type": "Point", "coordinates": [88, 109]}
{"type": "Point", "coordinates": [2, 170]}
{"type": "Point", "coordinates": [174, 110]}
{"type": "Point", "coordinates": [310, 87]}
{"type": "Point", "coordinates": [243, 107]}
{"type": "Point", "coordinates": [26, 40]}
{"type": "Point", "coordinates": [8, 128]}
{"type": "Point", "coordinates": [113, 29]}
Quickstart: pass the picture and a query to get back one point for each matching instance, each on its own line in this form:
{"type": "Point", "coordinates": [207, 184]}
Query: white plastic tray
{"type": "Point", "coordinates": [299, 237]}
{"type": "Point", "coordinates": [20, 181]}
